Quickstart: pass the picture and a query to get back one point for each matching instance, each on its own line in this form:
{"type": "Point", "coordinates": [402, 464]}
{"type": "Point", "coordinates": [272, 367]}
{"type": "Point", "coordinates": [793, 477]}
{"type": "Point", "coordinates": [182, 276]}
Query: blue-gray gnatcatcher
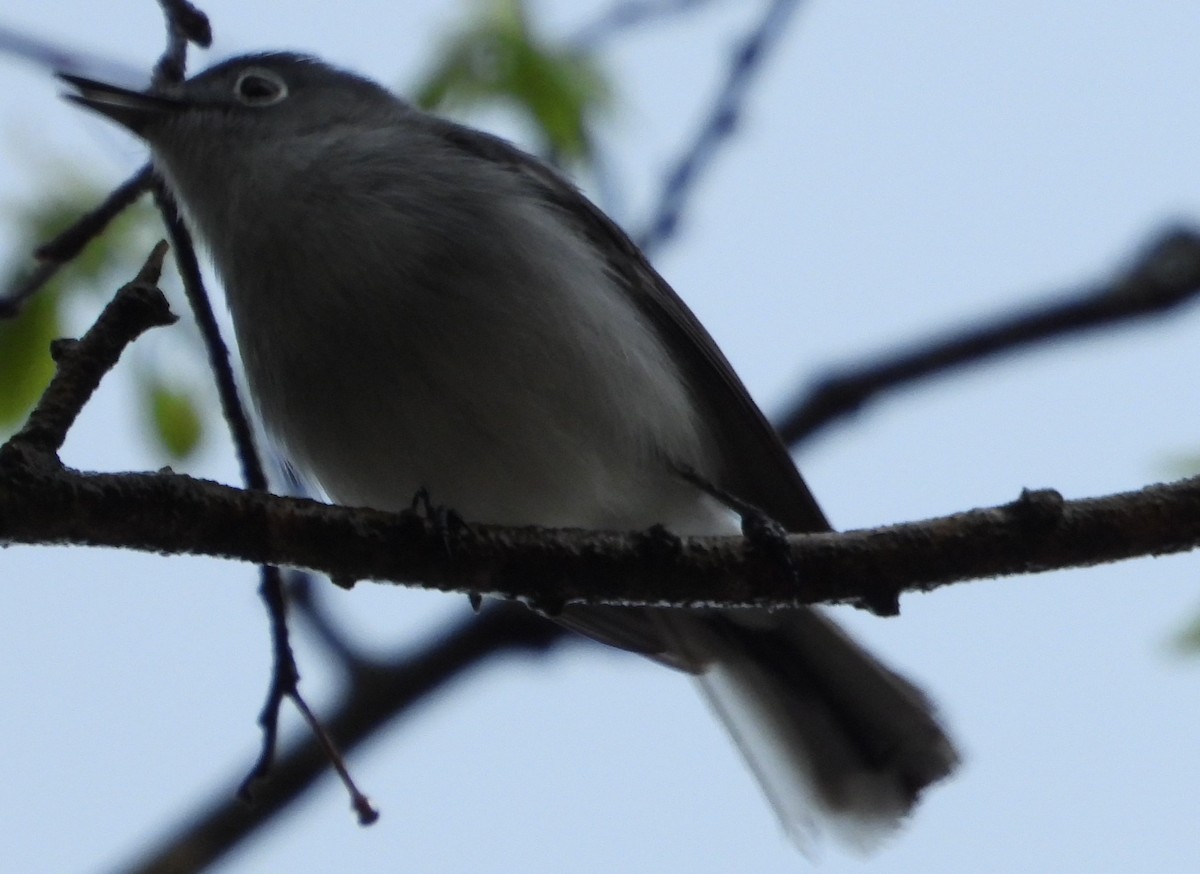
{"type": "Point", "coordinates": [421, 305]}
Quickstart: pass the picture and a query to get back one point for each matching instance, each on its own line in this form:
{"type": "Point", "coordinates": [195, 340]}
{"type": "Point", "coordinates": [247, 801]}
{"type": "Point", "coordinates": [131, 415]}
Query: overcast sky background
{"type": "Point", "coordinates": [901, 168]}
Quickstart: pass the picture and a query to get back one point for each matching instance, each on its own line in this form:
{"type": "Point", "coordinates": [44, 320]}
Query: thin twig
{"type": "Point", "coordinates": [185, 23]}
{"type": "Point", "coordinates": [749, 58]}
{"type": "Point", "coordinates": [374, 696]}
{"type": "Point", "coordinates": [285, 679]}
{"type": "Point", "coordinates": [1166, 275]}
{"type": "Point", "coordinates": [253, 474]}
{"type": "Point", "coordinates": [285, 674]}
{"type": "Point", "coordinates": [82, 363]}
{"type": "Point", "coordinates": [285, 683]}
{"type": "Point", "coordinates": [190, 21]}
{"type": "Point", "coordinates": [68, 244]}
{"type": "Point", "coordinates": [366, 812]}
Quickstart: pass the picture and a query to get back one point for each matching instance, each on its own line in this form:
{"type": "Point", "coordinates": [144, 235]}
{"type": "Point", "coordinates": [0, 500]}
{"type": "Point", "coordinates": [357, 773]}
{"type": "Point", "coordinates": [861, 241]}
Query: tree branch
{"type": "Point", "coordinates": [374, 695]}
{"type": "Point", "coordinates": [1165, 276]}
{"type": "Point", "coordinates": [171, 513]}
{"type": "Point", "coordinates": [56, 253]}
{"type": "Point", "coordinates": [749, 58]}
{"type": "Point", "coordinates": [185, 24]}
{"type": "Point", "coordinates": [82, 363]}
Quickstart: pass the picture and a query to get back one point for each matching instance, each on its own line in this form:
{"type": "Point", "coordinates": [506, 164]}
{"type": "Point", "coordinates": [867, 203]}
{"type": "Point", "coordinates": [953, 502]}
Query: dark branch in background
{"type": "Point", "coordinates": [375, 694]}
{"type": "Point", "coordinates": [622, 16]}
{"type": "Point", "coordinates": [60, 59]}
{"type": "Point", "coordinates": [722, 121]}
{"type": "Point", "coordinates": [67, 245]}
{"type": "Point", "coordinates": [627, 14]}
{"type": "Point", "coordinates": [1166, 276]}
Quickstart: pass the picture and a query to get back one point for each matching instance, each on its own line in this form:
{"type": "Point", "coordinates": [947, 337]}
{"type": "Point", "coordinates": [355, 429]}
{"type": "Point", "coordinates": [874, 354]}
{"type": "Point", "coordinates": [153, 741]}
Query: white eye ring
{"type": "Point", "coordinates": [260, 87]}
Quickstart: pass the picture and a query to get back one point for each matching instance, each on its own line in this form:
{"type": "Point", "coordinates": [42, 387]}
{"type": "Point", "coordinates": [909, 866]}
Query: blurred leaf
{"type": "Point", "coordinates": [104, 265]}
{"type": "Point", "coordinates": [121, 248]}
{"type": "Point", "coordinates": [25, 363]}
{"type": "Point", "coordinates": [1187, 640]}
{"type": "Point", "coordinates": [1182, 465]}
{"type": "Point", "coordinates": [175, 418]}
{"type": "Point", "coordinates": [497, 58]}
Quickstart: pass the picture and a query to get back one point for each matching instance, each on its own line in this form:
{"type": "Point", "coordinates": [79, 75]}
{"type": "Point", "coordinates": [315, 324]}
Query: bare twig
{"type": "Point", "coordinates": [82, 363]}
{"type": "Point", "coordinates": [285, 674]}
{"type": "Point", "coordinates": [189, 20]}
{"type": "Point", "coordinates": [285, 679]}
{"type": "Point", "coordinates": [185, 23]}
{"type": "Point", "coordinates": [68, 244]}
{"type": "Point", "coordinates": [363, 809]}
{"type": "Point", "coordinates": [232, 408]}
{"type": "Point", "coordinates": [1166, 275]}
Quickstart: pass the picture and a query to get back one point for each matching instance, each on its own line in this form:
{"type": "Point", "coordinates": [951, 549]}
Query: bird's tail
{"type": "Point", "coordinates": [836, 739]}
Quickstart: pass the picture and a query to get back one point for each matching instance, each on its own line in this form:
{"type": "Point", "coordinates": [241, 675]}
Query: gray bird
{"type": "Point", "coordinates": [419, 305]}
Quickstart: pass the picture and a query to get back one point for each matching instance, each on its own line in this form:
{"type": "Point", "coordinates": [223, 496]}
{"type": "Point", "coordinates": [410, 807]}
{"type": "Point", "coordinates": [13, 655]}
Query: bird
{"type": "Point", "coordinates": [424, 307]}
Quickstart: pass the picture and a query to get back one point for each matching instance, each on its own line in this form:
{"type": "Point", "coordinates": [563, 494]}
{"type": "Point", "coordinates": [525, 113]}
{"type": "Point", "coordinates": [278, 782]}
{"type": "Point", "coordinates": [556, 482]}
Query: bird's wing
{"type": "Point", "coordinates": [755, 466]}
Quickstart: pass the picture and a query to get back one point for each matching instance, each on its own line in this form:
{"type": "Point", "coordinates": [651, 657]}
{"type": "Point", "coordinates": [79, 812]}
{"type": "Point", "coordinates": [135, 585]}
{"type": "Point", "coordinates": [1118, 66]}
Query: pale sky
{"type": "Point", "coordinates": [900, 169]}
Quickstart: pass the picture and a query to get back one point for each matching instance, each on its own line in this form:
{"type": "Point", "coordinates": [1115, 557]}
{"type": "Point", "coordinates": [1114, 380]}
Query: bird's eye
{"type": "Point", "coordinates": [259, 87]}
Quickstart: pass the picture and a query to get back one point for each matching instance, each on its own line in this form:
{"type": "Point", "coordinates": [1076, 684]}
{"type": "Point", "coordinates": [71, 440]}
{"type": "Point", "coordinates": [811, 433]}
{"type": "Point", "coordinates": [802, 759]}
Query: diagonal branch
{"type": "Point", "coordinates": [625, 15]}
{"type": "Point", "coordinates": [375, 695]}
{"type": "Point", "coordinates": [1165, 276]}
{"type": "Point", "coordinates": [748, 60]}
{"type": "Point", "coordinates": [82, 363]}
{"type": "Point", "coordinates": [54, 254]}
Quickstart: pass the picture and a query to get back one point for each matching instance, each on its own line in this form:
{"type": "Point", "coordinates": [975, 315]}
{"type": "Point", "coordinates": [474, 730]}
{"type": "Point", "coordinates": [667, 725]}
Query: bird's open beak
{"type": "Point", "coordinates": [130, 109]}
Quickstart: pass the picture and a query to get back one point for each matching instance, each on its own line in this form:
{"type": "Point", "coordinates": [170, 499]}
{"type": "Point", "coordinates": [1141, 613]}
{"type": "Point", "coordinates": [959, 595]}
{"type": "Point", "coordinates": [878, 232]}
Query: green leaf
{"type": "Point", "coordinates": [25, 363]}
{"type": "Point", "coordinates": [498, 59]}
{"type": "Point", "coordinates": [1187, 640]}
{"type": "Point", "coordinates": [105, 264]}
{"type": "Point", "coordinates": [175, 418]}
